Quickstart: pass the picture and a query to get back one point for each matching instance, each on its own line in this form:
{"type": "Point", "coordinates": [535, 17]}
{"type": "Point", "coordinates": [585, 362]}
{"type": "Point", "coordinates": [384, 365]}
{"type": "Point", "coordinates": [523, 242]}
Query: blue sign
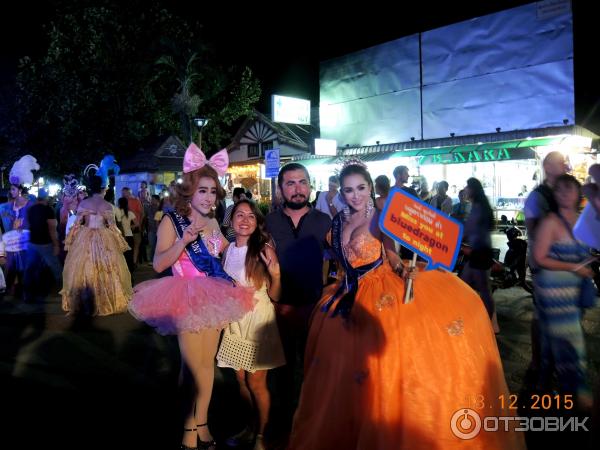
{"type": "Point", "coordinates": [272, 163]}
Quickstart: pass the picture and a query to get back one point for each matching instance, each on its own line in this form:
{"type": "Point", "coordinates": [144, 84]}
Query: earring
{"type": "Point", "coordinates": [213, 208]}
{"type": "Point", "coordinates": [369, 208]}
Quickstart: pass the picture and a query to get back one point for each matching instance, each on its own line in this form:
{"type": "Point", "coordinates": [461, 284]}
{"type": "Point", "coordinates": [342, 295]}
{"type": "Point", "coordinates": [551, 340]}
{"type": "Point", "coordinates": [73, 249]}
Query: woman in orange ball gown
{"type": "Point", "coordinates": [381, 374]}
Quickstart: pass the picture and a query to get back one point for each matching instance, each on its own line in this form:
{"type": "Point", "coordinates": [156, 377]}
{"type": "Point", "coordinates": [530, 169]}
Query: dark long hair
{"type": "Point", "coordinates": [383, 183]}
{"type": "Point", "coordinates": [256, 270]}
{"type": "Point", "coordinates": [95, 184]}
{"type": "Point", "coordinates": [124, 205]}
{"type": "Point", "coordinates": [191, 180]}
{"type": "Point", "coordinates": [569, 180]}
{"type": "Point", "coordinates": [478, 197]}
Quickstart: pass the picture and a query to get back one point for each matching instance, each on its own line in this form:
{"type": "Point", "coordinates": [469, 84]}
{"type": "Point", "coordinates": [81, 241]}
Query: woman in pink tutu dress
{"type": "Point", "coordinates": [200, 298]}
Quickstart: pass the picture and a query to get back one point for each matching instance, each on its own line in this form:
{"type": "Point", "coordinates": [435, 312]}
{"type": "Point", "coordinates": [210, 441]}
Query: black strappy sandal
{"type": "Point", "coordinates": [185, 447]}
{"type": "Point", "coordinates": [205, 445]}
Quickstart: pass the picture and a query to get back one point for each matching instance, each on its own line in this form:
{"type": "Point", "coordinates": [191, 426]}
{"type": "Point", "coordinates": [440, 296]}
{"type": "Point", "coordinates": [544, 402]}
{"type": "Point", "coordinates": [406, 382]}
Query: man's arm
{"type": "Point", "coordinates": [535, 209]}
{"type": "Point", "coordinates": [142, 212]}
{"type": "Point", "coordinates": [447, 206]}
{"type": "Point", "coordinates": [53, 236]}
{"type": "Point", "coordinates": [331, 204]}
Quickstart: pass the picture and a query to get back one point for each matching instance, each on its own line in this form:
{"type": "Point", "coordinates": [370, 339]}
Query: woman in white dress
{"type": "Point", "coordinates": [251, 261]}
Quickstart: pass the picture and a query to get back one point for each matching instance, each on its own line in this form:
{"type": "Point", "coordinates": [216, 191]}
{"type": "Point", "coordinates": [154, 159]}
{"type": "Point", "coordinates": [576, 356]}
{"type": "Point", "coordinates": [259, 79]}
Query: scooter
{"type": "Point", "coordinates": [513, 271]}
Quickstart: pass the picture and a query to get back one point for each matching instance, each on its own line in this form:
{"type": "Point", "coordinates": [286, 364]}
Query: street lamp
{"type": "Point", "coordinates": [200, 123]}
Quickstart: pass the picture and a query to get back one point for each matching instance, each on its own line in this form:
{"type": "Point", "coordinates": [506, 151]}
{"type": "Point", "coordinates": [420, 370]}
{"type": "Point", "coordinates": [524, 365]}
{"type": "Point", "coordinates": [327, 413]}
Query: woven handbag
{"type": "Point", "coordinates": [237, 351]}
{"type": "Point", "coordinates": [2, 281]}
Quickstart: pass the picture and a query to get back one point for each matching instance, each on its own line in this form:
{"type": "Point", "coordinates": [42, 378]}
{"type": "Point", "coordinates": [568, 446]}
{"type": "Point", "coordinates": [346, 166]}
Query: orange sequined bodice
{"type": "Point", "coordinates": [362, 249]}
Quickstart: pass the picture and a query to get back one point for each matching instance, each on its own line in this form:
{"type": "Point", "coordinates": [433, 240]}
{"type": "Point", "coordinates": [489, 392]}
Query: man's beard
{"type": "Point", "coordinates": [296, 205]}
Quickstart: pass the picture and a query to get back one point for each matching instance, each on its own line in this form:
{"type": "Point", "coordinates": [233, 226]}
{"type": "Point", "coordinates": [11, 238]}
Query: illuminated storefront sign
{"type": "Point", "coordinates": [290, 110]}
{"type": "Point", "coordinates": [472, 156]}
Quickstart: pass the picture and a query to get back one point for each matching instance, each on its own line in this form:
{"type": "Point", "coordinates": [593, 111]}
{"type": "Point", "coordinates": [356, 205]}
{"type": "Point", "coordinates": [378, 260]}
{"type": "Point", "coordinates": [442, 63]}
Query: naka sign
{"type": "Point", "coordinates": [290, 110]}
{"type": "Point", "coordinates": [492, 154]}
{"type": "Point", "coordinates": [420, 227]}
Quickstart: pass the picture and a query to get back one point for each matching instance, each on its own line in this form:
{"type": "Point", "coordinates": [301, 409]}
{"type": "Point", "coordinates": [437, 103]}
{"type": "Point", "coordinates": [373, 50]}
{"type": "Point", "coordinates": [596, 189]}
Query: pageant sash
{"type": "Point", "coordinates": [349, 287]}
{"type": "Point", "coordinates": [197, 251]}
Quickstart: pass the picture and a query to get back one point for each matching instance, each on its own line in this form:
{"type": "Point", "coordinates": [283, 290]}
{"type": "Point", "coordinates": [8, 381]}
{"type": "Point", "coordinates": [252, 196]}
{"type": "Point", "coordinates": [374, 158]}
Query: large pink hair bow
{"type": "Point", "coordinates": [194, 159]}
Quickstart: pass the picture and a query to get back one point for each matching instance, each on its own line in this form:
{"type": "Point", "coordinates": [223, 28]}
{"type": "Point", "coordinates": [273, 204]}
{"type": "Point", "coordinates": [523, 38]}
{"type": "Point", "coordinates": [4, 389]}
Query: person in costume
{"type": "Point", "coordinates": [69, 202]}
{"type": "Point", "coordinates": [251, 260]}
{"type": "Point", "coordinates": [200, 298]}
{"type": "Point", "coordinates": [14, 221]}
{"type": "Point", "coordinates": [96, 279]}
{"type": "Point", "coordinates": [387, 375]}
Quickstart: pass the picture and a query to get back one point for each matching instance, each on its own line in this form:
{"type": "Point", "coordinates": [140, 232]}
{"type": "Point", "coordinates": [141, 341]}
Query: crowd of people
{"type": "Point", "coordinates": [314, 289]}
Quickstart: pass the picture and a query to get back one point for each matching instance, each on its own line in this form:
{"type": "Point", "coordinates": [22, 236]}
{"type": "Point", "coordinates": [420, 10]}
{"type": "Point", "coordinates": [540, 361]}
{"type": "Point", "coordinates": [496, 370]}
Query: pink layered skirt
{"type": "Point", "coordinates": [175, 305]}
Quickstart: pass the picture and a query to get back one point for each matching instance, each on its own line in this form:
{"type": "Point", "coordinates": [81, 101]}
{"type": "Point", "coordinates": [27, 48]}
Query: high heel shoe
{"type": "Point", "coordinates": [205, 445]}
{"type": "Point", "coordinates": [185, 447]}
{"type": "Point", "coordinates": [259, 444]}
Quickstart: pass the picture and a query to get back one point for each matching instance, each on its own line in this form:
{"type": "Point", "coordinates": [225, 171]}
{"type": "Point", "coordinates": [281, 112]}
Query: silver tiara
{"type": "Point", "coordinates": [353, 162]}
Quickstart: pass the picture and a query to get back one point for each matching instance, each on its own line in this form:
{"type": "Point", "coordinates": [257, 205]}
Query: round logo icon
{"type": "Point", "coordinates": [465, 424]}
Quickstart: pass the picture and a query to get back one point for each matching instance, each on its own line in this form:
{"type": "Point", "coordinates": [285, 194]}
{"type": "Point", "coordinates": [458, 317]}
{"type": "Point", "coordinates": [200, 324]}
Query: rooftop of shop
{"type": "Point", "coordinates": [516, 139]}
{"type": "Point", "coordinates": [297, 135]}
{"type": "Point", "coordinates": [162, 154]}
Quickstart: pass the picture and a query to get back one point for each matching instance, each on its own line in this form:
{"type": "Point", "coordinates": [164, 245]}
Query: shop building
{"type": "Point", "coordinates": [257, 134]}
{"type": "Point", "coordinates": [159, 162]}
{"type": "Point", "coordinates": [507, 163]}
{"type": "Point", "coordinates": [487, 98]}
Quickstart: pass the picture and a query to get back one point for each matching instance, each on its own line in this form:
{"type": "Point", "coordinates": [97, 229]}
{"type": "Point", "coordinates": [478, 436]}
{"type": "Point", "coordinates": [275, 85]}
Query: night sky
{"type": "Point", "coordinates": [284, 47]}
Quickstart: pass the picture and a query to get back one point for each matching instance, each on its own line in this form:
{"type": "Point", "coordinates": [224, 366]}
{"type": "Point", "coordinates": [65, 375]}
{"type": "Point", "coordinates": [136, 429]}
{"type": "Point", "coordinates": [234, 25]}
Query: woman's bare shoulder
{"type": "Point", "coordinates": [550, 219]}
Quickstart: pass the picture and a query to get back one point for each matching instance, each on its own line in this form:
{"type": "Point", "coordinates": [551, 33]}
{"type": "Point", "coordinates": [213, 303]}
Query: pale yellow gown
{"type": "Point", "coordinates": [95, 277]}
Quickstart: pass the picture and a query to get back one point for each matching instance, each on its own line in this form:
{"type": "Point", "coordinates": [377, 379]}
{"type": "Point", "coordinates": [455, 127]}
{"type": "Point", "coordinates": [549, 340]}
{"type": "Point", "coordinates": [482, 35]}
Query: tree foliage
{"type": "Point", "coordinates": [116, 74]}
{"type": "Point", "coordinates": [204, 89]}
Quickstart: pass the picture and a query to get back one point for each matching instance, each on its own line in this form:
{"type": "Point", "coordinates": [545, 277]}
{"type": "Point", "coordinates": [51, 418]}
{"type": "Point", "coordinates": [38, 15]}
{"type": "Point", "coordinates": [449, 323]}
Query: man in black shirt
{"type": "Point", "coordinates": [299, 232]}
{"type": "Point", "coordinates": [43, 245]}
